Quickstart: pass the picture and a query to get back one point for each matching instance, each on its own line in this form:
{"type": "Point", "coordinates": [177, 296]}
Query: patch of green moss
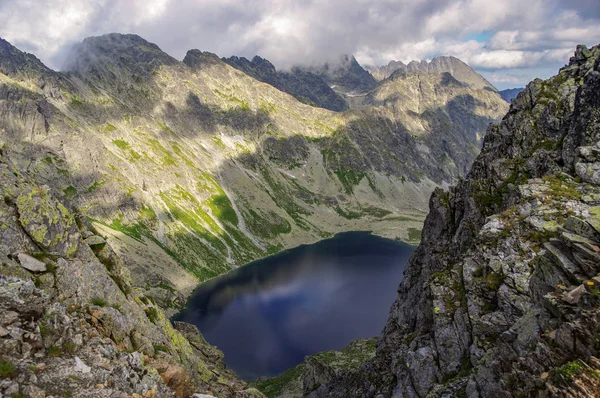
{"type": "Point", "coordinates": [222, 209]}
{"type": "Point", "coordinates": [414, 235]}
{"type": "Point", "coordinates": [348, 214]}
{"type": "Point", "coordinates": [152, 314]}
{"type": "Point", "coordinates": [561, 188]}
{"type": "Point", "coordinates": [76, 101]}
{"type": "Point", "coordinates": [167, 157]}
{"type": "Point", "coordinates": [121, 144]}
{"type": "Point", "coordinates": [99, 301]}
{"type": "Point", "coordinates": [570, 369]}
{"type": "Point", "coordinates": [70, 191]}
{"type": "Point", "coordinates": [349, 179]}
{"type": "Point", "coordinates": [96, 185]}
{"type": "Point", "coordinates": [494, 280]}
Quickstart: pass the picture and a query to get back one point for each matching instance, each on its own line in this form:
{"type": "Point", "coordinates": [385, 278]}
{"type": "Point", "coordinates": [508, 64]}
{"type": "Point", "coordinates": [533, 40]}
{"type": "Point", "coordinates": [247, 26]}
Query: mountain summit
{"type": "Point", "coordinates": [457, 68]}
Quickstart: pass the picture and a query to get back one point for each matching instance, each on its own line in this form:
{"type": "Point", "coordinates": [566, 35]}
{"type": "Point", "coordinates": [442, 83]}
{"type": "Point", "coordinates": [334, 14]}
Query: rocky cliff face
{"type": "Point", "coordinates": [501, 298]}
{"type": "Point", "coordinates": [192, 168]}
{"type": "Point", "coordinates": [71, 323]}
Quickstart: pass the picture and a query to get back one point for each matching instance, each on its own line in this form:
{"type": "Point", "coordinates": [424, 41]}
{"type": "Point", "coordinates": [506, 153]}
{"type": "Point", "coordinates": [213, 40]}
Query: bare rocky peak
{"type": "Point", "coordinates": [126, 51]}
{"type": "Point", "coordinates": [457, 68]}
{"type": "Point", "coordinates": [14, 61]}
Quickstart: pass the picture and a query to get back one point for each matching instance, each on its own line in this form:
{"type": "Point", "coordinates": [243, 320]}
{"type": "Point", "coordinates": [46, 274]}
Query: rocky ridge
{"type": "Point", "coordinates": [501, 298]}
{"type": "Point", "coordinates": [306, 87]}
{"type": "Point", "coordinates": [443, 64]}
{"type": "Point", "coordinates": [207, 168]}
{"type": "Point", "coordinates": [71, 323]}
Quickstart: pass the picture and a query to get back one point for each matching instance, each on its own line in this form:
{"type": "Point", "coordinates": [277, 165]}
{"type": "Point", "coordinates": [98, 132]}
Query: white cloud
{"type": "Point", "coordinates": [506, 78]}
{"type": "Point", "coordinates": [524, 34]}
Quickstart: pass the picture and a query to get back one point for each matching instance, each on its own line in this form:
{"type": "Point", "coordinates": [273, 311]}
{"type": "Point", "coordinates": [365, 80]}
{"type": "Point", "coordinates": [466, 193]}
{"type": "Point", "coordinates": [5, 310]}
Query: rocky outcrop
{"type": "Point", "coordinates": [306, 87]}
{"type": "Point", "coordinates": [71, 324]}
{"type": "Point", "coordinates": [501, 298]}
{"type": "Point", "coordinates": [316, 370]}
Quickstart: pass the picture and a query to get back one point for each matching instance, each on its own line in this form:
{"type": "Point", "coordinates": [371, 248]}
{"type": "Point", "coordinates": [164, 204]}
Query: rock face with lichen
{"type": "Point", "coordinates": [502, 297]}
{"type": "Point", "coordinates": [72, 325]}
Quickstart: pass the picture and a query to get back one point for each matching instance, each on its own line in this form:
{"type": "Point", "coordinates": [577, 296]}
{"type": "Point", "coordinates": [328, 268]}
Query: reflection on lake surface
{"type": "Point", "coordinates": [268, 315]}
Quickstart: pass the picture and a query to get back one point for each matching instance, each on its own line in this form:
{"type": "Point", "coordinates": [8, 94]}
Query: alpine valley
{"type": "Point", "coordinates": [130, 177]}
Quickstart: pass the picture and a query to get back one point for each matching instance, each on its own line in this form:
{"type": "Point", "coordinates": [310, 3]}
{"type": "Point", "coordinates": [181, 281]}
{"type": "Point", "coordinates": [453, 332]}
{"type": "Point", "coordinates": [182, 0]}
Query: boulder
{"type": "Point", "coordinates": [31, 263]}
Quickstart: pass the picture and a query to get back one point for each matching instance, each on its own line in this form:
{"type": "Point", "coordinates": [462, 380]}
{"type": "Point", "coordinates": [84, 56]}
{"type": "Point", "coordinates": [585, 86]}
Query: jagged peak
{"type": "Point", "coordinates": [14, 62]}
{"type": "Point", "coordinates": [441, 64]}
{"type": "Point", "coordinates": [195, 59]}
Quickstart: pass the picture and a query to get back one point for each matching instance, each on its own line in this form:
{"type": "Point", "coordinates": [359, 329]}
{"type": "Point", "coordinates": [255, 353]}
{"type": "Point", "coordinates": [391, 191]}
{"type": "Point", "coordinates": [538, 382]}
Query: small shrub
{"type": "Point", "coordinates": [160, 347]}
{"type": "Point", "coordinates": [54, 351]}
{"type": "Point", "coordinates": [569, 369]}
{"type": "Point", "coordinates": [69, 347]}
{"type": "Point", "coordinates": [44, 330]}
{"type": "Point", "coordinates": [152, 314]}
{"type": "Point", "coordinates": [99, 301]}
{"type": "Point", "coordinates": [7, 369]}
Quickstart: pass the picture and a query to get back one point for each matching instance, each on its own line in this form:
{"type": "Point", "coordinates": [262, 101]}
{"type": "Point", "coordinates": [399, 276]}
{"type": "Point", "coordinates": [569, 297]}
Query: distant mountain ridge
{"type": "Point", "coordinates": [510, 94]}
{"type": "Point", "coordinates": [457, 68]}
{"type": "Point", "coordinates": [307, 87]}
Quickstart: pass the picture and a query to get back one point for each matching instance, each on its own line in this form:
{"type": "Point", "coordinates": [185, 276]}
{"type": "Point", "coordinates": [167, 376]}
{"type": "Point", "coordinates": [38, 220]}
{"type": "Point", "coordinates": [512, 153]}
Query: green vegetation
{"type": "Point", "coordinates": [96, 185]}
{"type": "Point", "coordinates": [68, 347]}
{"type": "Point", "coordinates": [222, 209]}
{"type": "Point", "coordinates": [414, 235]}
{"type": "Point", "coordinates": [76, 101]}
{"type": "Point", "coordinates": [560, 187]}
{"type": "Point", "coordinates": [160, 347]}
{"type": "Point", "coordinates": [348, 214]}
{"type": "Point", "coordinates": [152, 314]}
{"type": "Point", "coordinates": [99, 301]}
{"type": "Point", "coordinates": [494, 280]}
{"type": "Point", "coordinates": [70, 191]}
{"type": "Point", "coordinates": [282, 196]}
{"type": "Point", "coordinates": [166, 156]}
{"type": "Point", "coordinates": [54, 351]}
{"type": "Point", "coordinates": [570, 369]}
{"type": "Point", "coordinates": [349, 179]}
{"type": "Point", "coordinates": [274, 387]}
{"type": "Point", "coordinates": [121, 144]}
{"type": "Point", "coordinates": [7, 369]}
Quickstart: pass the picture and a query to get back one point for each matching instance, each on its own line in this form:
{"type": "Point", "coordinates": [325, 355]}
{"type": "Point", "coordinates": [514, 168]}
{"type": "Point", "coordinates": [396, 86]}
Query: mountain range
{"type": "Point", "coordinates": [208, 168]}
{"type": "Point", "coordinates": [131, 176]}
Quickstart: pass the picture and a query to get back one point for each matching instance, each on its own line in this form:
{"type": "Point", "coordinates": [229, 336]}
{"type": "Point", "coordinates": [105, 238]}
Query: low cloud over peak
{"type": "Point", "coordinates": [509, 41]}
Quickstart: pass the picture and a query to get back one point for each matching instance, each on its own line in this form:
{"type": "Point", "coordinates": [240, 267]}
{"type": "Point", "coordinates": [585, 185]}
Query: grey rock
{"type": "Point", "coordinates": [80, 366]}
{"type": "Point", "coordinates": [31, 263]}
{"type": "Point", "coordinates": [95, 241]}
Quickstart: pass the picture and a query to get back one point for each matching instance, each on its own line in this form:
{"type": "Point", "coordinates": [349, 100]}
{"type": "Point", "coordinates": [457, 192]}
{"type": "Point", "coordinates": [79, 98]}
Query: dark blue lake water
{"type": "Point", "coordinates": [268, 315]}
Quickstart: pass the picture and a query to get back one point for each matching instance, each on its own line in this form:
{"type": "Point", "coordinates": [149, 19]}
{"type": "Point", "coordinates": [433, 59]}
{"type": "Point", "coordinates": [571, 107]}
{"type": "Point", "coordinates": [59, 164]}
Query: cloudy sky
{"type": "Point", "coordinates": [508, 41]}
